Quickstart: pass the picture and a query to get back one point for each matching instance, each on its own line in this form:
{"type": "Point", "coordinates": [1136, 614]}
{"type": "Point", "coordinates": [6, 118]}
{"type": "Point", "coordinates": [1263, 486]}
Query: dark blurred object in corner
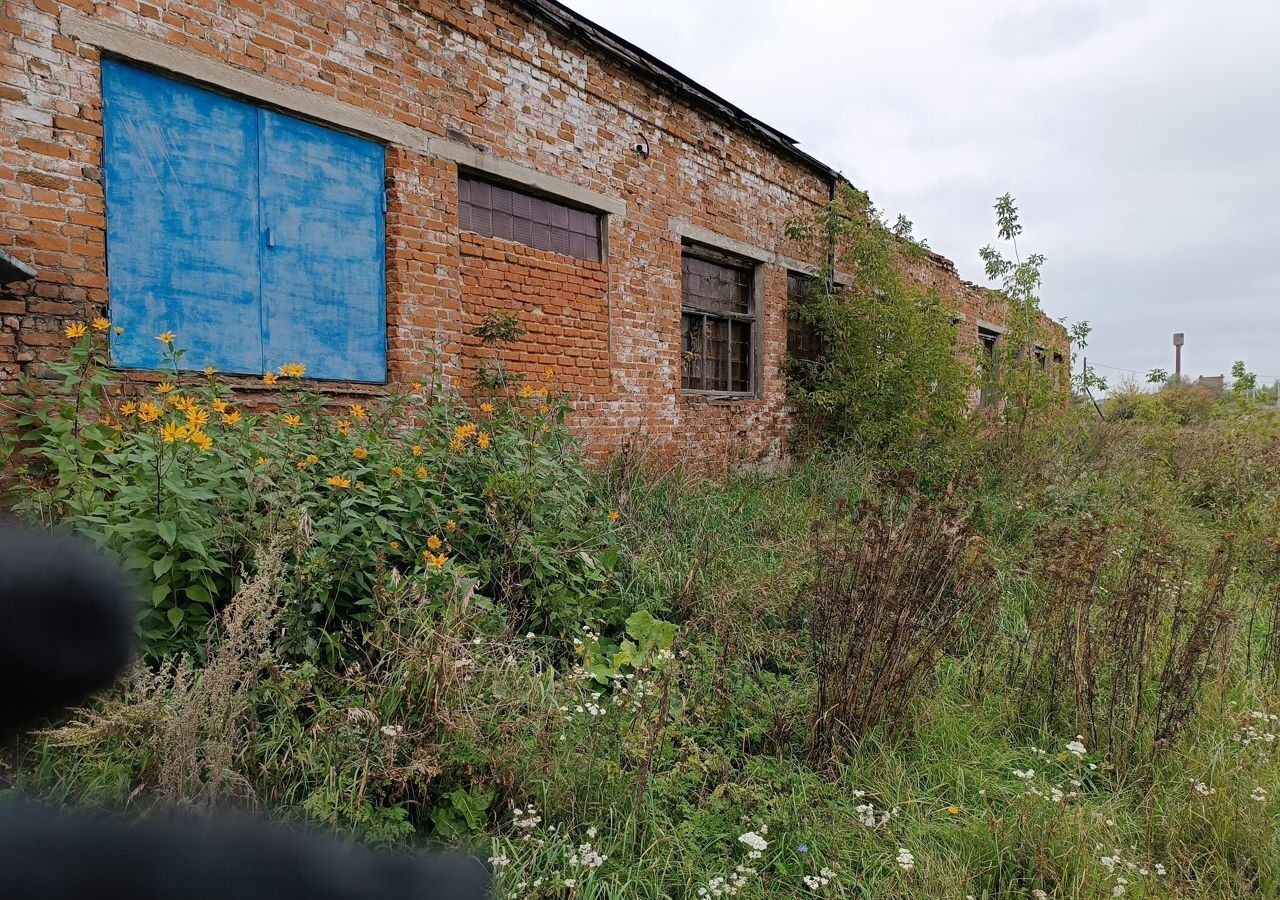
{"type": "Point", "coordinates": [66, 631]}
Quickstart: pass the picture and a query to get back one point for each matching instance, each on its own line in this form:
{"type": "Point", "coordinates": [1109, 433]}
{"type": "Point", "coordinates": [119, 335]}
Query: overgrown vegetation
{"type": "Point", "coordinates": [958, 666]}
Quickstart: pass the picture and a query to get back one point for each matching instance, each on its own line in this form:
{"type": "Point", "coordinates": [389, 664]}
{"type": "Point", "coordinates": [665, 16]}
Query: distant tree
{"type": "Point", "coordinates": [1157, 376]}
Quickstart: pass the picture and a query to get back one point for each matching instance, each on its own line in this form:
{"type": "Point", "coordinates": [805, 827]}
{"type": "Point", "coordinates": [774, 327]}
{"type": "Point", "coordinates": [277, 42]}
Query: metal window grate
{"type": "Point", "coordinates": [496, 210]}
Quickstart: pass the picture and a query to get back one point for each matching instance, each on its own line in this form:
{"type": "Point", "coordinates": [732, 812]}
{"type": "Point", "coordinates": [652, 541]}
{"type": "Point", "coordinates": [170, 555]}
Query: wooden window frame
{"type": "Point", "coordinates": [796, 327]}
{"type": "Point", "coordinates": [562, 234]}
{"type": "Point", "coordinates": [990, 374]}
{"type": "Point", "coordinates": [751, 318]}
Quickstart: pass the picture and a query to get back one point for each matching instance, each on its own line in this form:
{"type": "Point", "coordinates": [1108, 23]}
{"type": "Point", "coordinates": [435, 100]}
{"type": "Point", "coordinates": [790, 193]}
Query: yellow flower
{"type": "Point", "coordinates": [210, 370]}
{"type": "Point", "coordinates": [148, 411]}
{"type": "Point", "coordinates": [434, 542]}
{"type": "Point", "coordinates": [173, 432]}
{"type": "Point", "coordinates": [548, 373]}
{"type": "Point", "coordinates": [422, 472]}
{"type": "Point", "coordinates": [954, 810]}
{"type": "Point", "coordinates": [359, 485]}
{"type": "Point", "coordinates": [270, 378]}
{"type": "Point", "coordinates": [220, 406]}
{"type": "Point", "coordinates": [292, 420]}
{"type": "Point", "coordinates": [394, 545]}
{"type": "Point", "coordinates": [456, 444]}
{"type": "Point", "coordinates": [166, 338]}
{"type": "Point", "coordinates": [526, 392]}
{"type": "Point", "coordinates": [417, 385]}
{"type": "Point", "coordinates": [544, 409]}
{"type": "Point", "coordinates": [231, 418]}
{"type": "Point", "coordinates": [482, 441]}
{"type": "Point", "coordinates": [182, 403]}
{"type": "Point", "coordinates": [119, 331]}
{"type": "Point", "coordinates": [451, 526]}
{"type": "Point", "coordinates": [360, 453]}
{"type": "Point", "coordinates": [100, 324]}
{"type": "Point", "coordinates": [396, 471]}
{"type": "Point", "coordinates": [614, 516]}
{"type": "Point", "coordinates": [486, 407]}
{"type": "Point", "coordinates": [358, 411]}
{"type": "Point", "coordinates": [128, 409]}
{"type": "Point", "coordinates": [546, 426]}
{"type": "Point", "coordinates": [197, 418]}
{"type": "Point", "coordinates": [338, 481]}
{"type": "Point", "coordinates": [262, 460]}
{"type": "Point", "coordinates": [164, 387]}
{"type": "Point", "coordinates": [344, 426]}
{"type": "Point", "coordinates": [200, 439]}
{"type": "Point", "coordinates": [416, 449]}
{"type": "Point", "coordinates": [292, 370]}
{"type": "Point", "coordinates": [435, 560]}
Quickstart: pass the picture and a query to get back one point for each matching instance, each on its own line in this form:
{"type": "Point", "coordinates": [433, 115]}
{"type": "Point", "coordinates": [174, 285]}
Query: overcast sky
{"type": "Point", "coordinates": [1141, 140]}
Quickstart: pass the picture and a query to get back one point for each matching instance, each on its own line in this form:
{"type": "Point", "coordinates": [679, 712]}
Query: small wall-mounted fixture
{"type": "Point", "coordinates": [641, 146]}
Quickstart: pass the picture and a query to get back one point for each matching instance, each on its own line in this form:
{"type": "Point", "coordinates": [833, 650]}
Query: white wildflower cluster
{"type": "Point", "coordinates": [1077, 747]}
{"type": "Point", "coordinates": [1202, 789]}
{"type": "Point", "coordinates": [586, 857]}
{"type": "Point", "coordinates": [755, 842]}
{"type": "Point", "coordinates": [727, 885]}
{"type": "Point", "coordinates": [526, 820]}
{"type": "Point", "coordinates": [1259, 794]}
{"type": "Point", "coordinates": [1122, 872]}
{"type": "Point", "coordinates": [866, 815]}
{"type": "Point", "coordinates": [1258, 731]}
{"type": "Point", "coordinates": [499, 861]}
{"type": "Point", "coordinates": [817, 882]}
{"type": "Point", "coordinates": [906, 859]}
{"type": "Point", "coordinates": [392, 731]}
{"type": "Point", "coordinates": [631, 690]}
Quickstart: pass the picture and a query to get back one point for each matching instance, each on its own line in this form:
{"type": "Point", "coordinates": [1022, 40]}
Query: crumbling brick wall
{"type": "Point", "coordinates": [448, 86]}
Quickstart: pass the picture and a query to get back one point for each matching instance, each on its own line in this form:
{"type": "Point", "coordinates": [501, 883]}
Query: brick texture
{"type": "Point", "coordinates": [492, 74]}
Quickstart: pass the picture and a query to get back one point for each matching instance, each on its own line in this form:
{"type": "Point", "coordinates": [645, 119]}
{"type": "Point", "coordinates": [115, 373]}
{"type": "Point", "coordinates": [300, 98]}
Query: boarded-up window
{"type": "Point", "coordinates": [496, 210]}
{"type": "Point", "coordinates": [989, 364]}
{"type": "Point", "coordinates": [717, 323]}
{"type": "Point", "coordinates": [804, 341]}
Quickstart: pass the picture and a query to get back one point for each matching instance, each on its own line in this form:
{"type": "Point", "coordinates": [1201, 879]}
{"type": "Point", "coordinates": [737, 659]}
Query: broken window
{"type": "Point", "coordinates": [495, 210]}
{"type": "Point", "coordinates": [989, 363]}
{"type": "Point", "coordinates": [717, 323]}
{"type": "Point", "coordinates": [804, 340]}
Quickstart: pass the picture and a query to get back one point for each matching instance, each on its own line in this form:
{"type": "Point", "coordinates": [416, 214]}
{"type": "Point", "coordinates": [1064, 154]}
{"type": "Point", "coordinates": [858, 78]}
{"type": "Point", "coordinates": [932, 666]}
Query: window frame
{"type": "Point", "coordinates": [752, 318]}
{"type": "Point", "coordinates": [472, 178]}
{"type": "Point", "coordinates": [990, 366]}
{"type": "Point", "coordinates": [808, 281]}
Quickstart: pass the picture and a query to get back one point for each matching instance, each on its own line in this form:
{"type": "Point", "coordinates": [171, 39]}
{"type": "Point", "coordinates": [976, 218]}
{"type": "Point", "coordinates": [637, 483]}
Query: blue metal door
{"type": "Point", "coordinates": [181, 182]}
{"type": "Point", "coordinates": [323, 276]}
{"type": "Point", "coordinates": [255, 237]}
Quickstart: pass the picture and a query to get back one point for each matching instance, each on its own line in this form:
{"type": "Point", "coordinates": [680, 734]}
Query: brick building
{"type": "Point", "coordinates": [353, 186]}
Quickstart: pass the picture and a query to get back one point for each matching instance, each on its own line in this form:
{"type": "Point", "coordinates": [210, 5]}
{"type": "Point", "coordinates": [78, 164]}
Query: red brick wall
{"type": "Point", "coordinates": [485, 73]}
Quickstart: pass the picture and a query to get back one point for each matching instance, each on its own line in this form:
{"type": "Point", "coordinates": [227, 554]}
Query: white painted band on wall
{"type": "Point", "coordinates": [154, 52]}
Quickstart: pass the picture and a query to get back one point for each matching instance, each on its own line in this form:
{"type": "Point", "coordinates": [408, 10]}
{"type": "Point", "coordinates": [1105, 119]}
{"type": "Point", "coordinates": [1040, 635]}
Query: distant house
{"type": "Point", "coordinates": [353, 186]}
{"type": "Point", "coordinates": [1212, 382]}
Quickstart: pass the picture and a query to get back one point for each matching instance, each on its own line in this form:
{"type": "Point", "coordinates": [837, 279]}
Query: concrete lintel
{"type": "Point", "coordinates": [991, 326]}
{"type": "Point", "coordinates": [153, 52]}
{"type": "Point", "coordinates": [701, 235]}
{"type": "Point", "coordinates": [844, 279]}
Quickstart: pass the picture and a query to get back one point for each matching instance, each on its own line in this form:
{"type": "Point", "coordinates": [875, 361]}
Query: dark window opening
{"type": "Point", "coordinates": [804, 340]}
{"type": "Point", "coordinates": [717, 323]}
{"type": "Point", "coordinates": [989, 364]}
{"type": "Point", "coordinates": [495, 210]}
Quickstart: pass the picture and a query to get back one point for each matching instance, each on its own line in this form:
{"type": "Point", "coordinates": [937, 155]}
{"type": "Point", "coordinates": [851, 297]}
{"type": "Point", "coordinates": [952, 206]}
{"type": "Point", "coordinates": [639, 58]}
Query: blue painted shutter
{"type": "Point", "coordinates": [181, 179]}
{"type": "Point", "coordinates": [323, 276]}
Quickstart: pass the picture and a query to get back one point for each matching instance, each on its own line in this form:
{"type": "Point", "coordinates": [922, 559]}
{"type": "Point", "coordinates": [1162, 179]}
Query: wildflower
{"type": "Point", "coordinates": [261, 461]}
{"type": "Point", "coordinates": [953, 810]}
{"type": "Point", "coordinates": [422, 472]}
{"type": "Point", "coordinates": [499, 861]}
{"type": "Point", "coordinates": [172, 432]}
{"type": "Point", "coordinates": [210, 370]}
{"type": "Point", "coordinates": [543, 408]}
{"type": "Point", "coordinates": [394, 545]}
{"type": "Point", "coordinates": [391, 731]}
{"type": "Point", "coordinates": [148, 412]}
{"type": "Point", "coordinates": [292, 420]}
{"type": "Point", "coordinates": [416, 449]}
{"type": "Point", "coordinates": [270, 378]}
{"type": "Point", "coordinates": [196, 417]}
{"type": "Point", "coordinates": [451, 526]}
{"type": "Point", "coordinates": [456, 444]}
{"type": "Point", "coordinates": [74, 331]}
{"type": "Point", "coordinates": [614, 516]}
{"type": "Point", "coordinates": [906, 859]}
{"type": "Point", "coordinates": [360, 453]}
{"type": "Point", "coordinates": [434, 542]}
{"type": "Point", "coordinates": [757, 844]}
{"type": "Point", "coordinates": [219, 405]}
{"type": "Point", "coordinates": [358, 411]}
{"type": "Point", "coordinates": [200, 439]}
{"type": "Point", "coordinates": [166, 338]}
{"type": "Point", "coordinates": [482, 440]}
{"type": "Point", "coordinates": [338, 481]}
{"type": "Point", "coordinates": [416, 385]}
{"type": "Point", "coordinates": [100, 324]}
{"type": "Point", "coordinates": [231, 418]}
{"type": "Point", "coordinates": [128, 408]}
{"type": "Point", "coordinates": [1259, 794]}
{"type": "Point", "coordinates": [1201, 788]}
{"type": "Point", "coordinates": [396, 472]}
{"type": "Point", "coordinates": [526, 392]}
{"type": "Point", "coordinates": [164, 387]}
{"type": "Point", "coordinates": [435, 560]}
{"type": "Point", "coordinates": [119, 331]}
{"type": "Point", "coordinates": [344, 426]}
{"type": "Point", "coordinates": [548, 373]}
{"type": "Point", "coordinates": [1077, 747]}
{"type": "Point", "coordinates": [486, 407]}
{"type": "Point", "coordinates": [292, 370]}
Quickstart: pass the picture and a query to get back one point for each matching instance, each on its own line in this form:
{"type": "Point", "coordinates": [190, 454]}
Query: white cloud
{"type": "Point", "coordinates": [1140, 139]}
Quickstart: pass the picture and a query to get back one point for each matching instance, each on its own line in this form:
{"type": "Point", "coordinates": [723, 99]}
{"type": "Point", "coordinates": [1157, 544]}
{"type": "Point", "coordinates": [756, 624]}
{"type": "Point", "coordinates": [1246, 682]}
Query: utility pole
{"type": "Point", "coordinates": [1177, 355]}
